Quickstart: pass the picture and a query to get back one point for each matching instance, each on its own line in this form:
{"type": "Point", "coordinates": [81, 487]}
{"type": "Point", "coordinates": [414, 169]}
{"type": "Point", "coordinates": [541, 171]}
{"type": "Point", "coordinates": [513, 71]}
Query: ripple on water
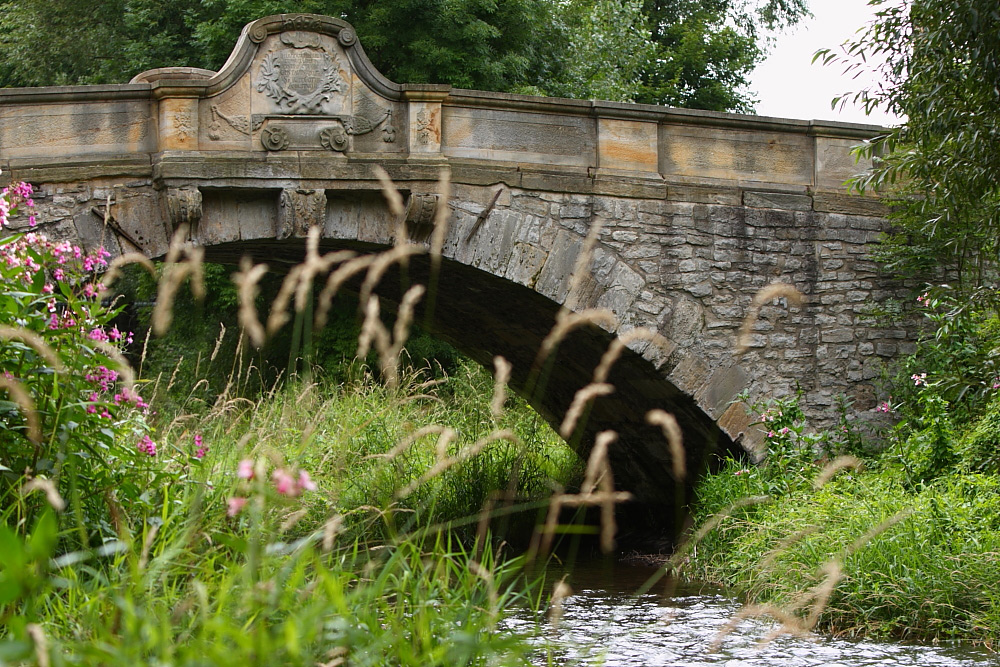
{"type": "Point", "coordinates": [604, 625]}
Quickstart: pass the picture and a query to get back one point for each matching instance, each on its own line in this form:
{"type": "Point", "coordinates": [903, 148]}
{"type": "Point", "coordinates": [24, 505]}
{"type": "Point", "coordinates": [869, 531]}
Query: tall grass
{"type": "Point", "coordinates": [349, 573]}
{"type": "Point", "coordinates": [912, 562]}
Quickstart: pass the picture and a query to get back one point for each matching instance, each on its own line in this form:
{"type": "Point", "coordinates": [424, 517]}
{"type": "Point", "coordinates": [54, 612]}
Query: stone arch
{"type": "Point", "coordinates": [496, 295]}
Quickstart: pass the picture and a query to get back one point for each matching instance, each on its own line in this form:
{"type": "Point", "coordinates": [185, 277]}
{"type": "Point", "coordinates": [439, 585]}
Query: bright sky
{"type": "Point", "coordinates": [789, 86]}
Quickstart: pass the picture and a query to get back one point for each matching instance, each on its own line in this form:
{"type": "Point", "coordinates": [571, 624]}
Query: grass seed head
{"type": "Point", "coordinates": [47, 487]}
{"type": "Point", "coordinates": [500, 380]}
{"type": "Point", "coordinates": [763, 296]}
{"type": "Point", "coordinates": [581, 400]}
{"type": "Point", "coordinates": [675, 440]}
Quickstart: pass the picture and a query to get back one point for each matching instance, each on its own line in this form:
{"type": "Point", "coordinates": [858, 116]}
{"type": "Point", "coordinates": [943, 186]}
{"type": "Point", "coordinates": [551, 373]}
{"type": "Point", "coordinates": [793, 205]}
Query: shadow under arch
{"type": "Point", "coordinates": [484, 315]}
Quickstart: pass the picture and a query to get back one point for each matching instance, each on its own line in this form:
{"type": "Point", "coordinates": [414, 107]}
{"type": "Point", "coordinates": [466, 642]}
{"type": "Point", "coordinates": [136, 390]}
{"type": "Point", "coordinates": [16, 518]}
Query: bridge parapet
{"type": "Point", "coordinates": [298, 90]}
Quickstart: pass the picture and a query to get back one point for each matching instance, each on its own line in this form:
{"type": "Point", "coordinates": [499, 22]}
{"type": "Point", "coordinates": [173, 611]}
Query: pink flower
{"type": "Point", "coordinates": [235, 506]}
{"type": "Point", "coordinates": [884, 407]}
{"type": "Point", "coordinates": [147, 446]}
{"type": "Point", "coordinates": [305, 483]}
{"type": "Point", "coordinates": [201, 449]}
{"type": "Point", "coordinates": [284, 483]}
{"type": "Point", "coordinates": [919, 379]}
{"type": "Point", "coordinates": [103, 376]}
{"type": "Point", "coordinates": [245, 469]}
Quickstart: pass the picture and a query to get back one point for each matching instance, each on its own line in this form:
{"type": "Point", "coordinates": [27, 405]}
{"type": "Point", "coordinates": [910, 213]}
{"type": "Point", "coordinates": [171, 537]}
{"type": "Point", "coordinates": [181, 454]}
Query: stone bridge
{"type": "Point", "coordinates": [697, 212]}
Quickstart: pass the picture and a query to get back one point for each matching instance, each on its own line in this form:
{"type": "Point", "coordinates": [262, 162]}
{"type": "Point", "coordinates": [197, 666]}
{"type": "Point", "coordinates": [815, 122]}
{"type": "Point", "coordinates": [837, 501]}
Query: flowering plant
{"type": "Point", "coordinates": [67, 400]}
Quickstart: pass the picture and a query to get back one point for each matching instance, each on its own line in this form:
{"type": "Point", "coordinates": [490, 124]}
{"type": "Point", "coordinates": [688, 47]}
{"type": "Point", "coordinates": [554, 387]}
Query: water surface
{"type": "Point", "coordinates": [605, 623]}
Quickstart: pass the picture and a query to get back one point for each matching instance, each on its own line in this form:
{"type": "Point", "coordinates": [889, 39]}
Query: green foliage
{"type": "Point", "coordinates": [66, 42]}
{"type": "Point", "coordinates": [470, 43]}
{"type": "Point", "coordinates": [918, 563]}
{"type": "Point", "coordinates": [939, 62]}
{"type": "Point", "coordinates": [344, 434]}
{"type": "Point", "coordinates": [949, 382]}
{"type": "Point", "coordinates": [196, 589]}
{"type": "Point", "coordinates": [687, 53]}
{"type": "Point", "coordinates": [291, 575]}
{"type": "Point", "coordinates": [69, 416]}
{"type": "Point", "coordinates": [704, 50]}
{"type": "Point", "coordinates": [598, 49]}
{"type": "Point", "coordinates": [979, 448]}
{"type": "Point", "coordinates": [225, 549]}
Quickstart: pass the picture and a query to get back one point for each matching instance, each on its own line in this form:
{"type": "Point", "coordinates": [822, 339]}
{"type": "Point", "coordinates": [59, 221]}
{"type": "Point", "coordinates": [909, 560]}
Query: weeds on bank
{"type": "Point", "coordinates": [852, 546]}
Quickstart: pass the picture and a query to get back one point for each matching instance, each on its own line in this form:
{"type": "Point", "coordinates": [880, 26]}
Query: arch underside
{"type": "Point", "coordinates": [484, 315]}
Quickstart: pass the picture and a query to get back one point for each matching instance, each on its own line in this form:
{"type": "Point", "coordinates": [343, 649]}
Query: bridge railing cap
{"type": "Point", "coordinates": [172, 73]}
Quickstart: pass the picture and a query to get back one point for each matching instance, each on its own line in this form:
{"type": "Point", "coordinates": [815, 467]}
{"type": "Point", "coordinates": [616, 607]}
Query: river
{"type": "Point", "coordinates": [604, 622]}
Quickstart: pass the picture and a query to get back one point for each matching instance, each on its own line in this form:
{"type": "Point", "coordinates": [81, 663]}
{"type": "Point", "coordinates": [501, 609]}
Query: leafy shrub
{"type": "Point", "coordinates": [979, 449]}
{"type": "Point", "coordinates": [72, 415]}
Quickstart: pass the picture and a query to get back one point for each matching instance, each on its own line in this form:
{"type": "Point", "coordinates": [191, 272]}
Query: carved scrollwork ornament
{"type": "Point", "coordinates": [304, 23]}
{"type": "Point", "coordinates": [347, 37]}
{"type": "Point", "coordinates": [258, 33]}
{"type": "Point", "coordinates": [274, 139]}
{"type": "Point", "coordinates": [298, 210]}
{"type": "Point", "coordinates": [285, 77]}
{"type": "Point", "coordinates": [334, 138]}
{"type": "Point", "coordinates": [420, 209]}
{"type": "Point", "coordinates": [388, 131]}
{"type": "Point", "coordinates": [239, 123]}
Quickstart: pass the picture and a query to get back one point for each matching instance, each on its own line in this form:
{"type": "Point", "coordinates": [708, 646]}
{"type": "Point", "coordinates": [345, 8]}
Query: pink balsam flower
{"type": "Point", "coordinates": [235, 505]}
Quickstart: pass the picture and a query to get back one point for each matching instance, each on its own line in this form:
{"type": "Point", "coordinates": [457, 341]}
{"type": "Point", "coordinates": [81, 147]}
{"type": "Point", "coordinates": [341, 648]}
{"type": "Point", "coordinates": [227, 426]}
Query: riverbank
{"type": "Point", "coordinates": [867, 552]}
{"type": "Point", "coordinates": [320, 524]}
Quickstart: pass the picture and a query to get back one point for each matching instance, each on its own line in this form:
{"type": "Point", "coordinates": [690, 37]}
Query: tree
{"type": "Point", "coordinates": [485, 44]}
{"type": "Point", "coordinates": [704, 50]}
{"type": "Point", "coordinates": [689, 53]}
{"type": "Point", "coordinates": [65, 42]}
{"type": "Point", "coordinates": [686, 53]}
{"type": "Point", "coordinates": [939, 62]}
{"type": "Point", "coordinates": [596, 49]}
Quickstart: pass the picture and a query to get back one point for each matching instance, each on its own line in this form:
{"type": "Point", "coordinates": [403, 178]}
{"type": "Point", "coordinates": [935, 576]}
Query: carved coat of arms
{"type": "Point", "coordinates": [300, 79]}
{"type": "Point", "coordinates": [307, 85]}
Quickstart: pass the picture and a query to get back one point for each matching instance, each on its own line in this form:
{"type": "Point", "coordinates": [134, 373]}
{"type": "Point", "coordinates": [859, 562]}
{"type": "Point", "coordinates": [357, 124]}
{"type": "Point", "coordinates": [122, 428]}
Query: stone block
{"type": "Point", "coordinates": [703, 153]}
{"type": "Point", "coordinates": [777, 200]}
{"type": "Point", "coordinates": [518, 136]}
{"type": "Point", "coordinates": [843, 335]}
{"type": "Point", "coordinates": [722, 387]}
{"type": "Point", "coordinates": [627, 145]}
